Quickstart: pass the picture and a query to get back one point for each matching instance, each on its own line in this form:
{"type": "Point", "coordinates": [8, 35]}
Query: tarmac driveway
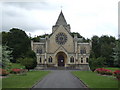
{"type": "Point", "coordinates": [60, 79]}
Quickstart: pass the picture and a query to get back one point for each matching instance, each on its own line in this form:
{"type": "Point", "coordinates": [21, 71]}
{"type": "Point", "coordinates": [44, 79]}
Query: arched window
{"type": "Point", "coordinates": [72, 59]}
{"type": "Point", "coordinates": [87, 60]}
{"type": "Point", "coordinates": [81, 60]}
{"type": "Point", "coordinates": [40, 51]}
{"type": "Point", "coordinates": [40, 59]}
{"type": "Point", "coordinates": [83, 51]}
{"type": "Point", "coordinates": [37, 51]}
{"type": "Point", "coordinates": [50, 59]}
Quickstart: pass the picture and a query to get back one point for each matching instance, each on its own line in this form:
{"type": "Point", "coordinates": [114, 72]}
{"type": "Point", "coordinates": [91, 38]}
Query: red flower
{"type": "Point", "coordinates": [3, 72]}
{"type": "Point", "coordinates": [16, 71]}
{"type": "Point", "coordinates": [104, 71]}
{"type": "Point", "coordinates": [117, 74]}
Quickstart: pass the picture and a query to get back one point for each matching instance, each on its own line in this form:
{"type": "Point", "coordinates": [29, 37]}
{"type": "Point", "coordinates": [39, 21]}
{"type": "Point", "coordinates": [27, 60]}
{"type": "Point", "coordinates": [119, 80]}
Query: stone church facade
{"type": "Point", "coordinates": [60, 49]}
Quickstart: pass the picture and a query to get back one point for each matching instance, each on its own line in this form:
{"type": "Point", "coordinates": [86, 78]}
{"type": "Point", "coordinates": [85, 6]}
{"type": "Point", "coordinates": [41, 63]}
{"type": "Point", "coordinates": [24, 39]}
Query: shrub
{"type": "Point", "coordinates": [104, 71]}
{"type": "Point", "coordinates": [29, 63]}
{"type": "Point", "coordinates": [15, 71]}
{"type": "Point", "coordinates": [16, 65]}
{"type": "Point", "coordinates": [3, 72]}
{"type": "Point", "coordinates": [117, 74]}
{"type": "Point", "coordinates": [18, 71]}
{"type": "Point", "coordinates": [95, 63]}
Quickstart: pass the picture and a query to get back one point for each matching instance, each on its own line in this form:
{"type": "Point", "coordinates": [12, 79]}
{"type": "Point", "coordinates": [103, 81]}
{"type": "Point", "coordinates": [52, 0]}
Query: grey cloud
{"type": "Point", "coordinates": [30, 5]}
{"type": "Point", "coordinates": [17, 16]}
{"type": "Point", "coordinates": [10, 13]}
{"type": "Point", "coordinates": [11, 22]}
{"type": "Point", "coordinates": [7, 27]}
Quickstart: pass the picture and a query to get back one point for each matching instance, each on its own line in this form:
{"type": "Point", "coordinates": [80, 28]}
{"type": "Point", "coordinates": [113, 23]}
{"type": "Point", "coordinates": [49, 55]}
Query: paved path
{"type": "Point", "coordinates": [60, 79]}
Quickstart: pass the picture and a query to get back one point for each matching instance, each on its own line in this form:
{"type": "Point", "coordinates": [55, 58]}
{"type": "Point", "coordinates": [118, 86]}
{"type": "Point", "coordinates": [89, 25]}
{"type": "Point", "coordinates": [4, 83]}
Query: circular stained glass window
{"type": "Point", "coordinates": [61, 38]}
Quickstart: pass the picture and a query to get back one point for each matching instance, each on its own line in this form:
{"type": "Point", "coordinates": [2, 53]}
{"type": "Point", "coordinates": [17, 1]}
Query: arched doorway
{"type": "Point", "coordinates": [61, 59]}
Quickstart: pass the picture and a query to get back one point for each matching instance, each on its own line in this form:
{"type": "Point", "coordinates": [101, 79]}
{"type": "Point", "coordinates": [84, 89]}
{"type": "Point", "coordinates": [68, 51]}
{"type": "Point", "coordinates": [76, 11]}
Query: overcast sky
{"type": "Point", "coordinates": [88, 17]}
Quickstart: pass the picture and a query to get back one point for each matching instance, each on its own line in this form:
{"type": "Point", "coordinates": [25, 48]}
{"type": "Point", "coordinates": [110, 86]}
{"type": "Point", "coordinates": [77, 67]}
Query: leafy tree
{"type": "Point", "coordinates": [5, 38]}
{"type": "Point", "coordinates": [106, 51]}
{"type": "Point", "coordinates": [116, 54]}
{"type": "Point", "coordinates": [78, 35]}
{"type": "Point", "coordinates": [27, 62]}
{"type": "Point", "coordinates": [6, 56]}
{"type": "Point", "coordinates": [96, 63]}
{"type": "Point", "coordinates": [0, 38]}
{"type": "Point", "coordinates": [31, 54]}
{"type": "Point", "coordinates": [86, 40]}
{"type": "Point", "coordinates": [0, 55]}
{"type": "Point", "coordinates": [96, 46]}
{"type": "Point", "coordinates": [37, 38]}
{"type": "Point", "coordinates": [107, 44]}
{"type": "Point", "coordinates": [103, 47]}
{"type": "Point", "coordinates": [18, 40]}
{"type": "Point", "coordinates": [92, 54]}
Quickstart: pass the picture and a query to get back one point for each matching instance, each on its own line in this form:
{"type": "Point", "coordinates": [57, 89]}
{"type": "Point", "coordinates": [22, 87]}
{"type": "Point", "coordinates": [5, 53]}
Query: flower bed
{"type": "Point", "coordinates": [104, 71]}
{"type": "Point", "coordinates": [18, 71]}
{"type": "Point", "coordinates": [117, 74]}
{"type": "Point", "coordinates": [3, 72]}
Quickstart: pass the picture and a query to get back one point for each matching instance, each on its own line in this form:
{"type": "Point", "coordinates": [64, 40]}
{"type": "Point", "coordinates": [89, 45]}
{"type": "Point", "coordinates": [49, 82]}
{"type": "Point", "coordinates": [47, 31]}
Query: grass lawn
{"type": "Point", "coordinates": [93, 80]}
{"type": "Point", "coordinates": [23, 81]}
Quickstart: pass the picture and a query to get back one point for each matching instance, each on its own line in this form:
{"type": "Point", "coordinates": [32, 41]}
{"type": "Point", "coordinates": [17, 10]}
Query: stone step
{"type": "Point", "coordinates": [82, 68]}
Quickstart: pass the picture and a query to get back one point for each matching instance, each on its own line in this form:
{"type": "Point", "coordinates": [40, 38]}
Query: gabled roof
{"type": "Point", "coordinates": [61, 48]}
{"type": "Point", "coordinates": [61, 19]}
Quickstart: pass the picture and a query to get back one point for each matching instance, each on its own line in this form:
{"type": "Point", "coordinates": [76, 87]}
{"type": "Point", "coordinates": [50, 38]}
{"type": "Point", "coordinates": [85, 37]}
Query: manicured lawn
{"type": "Point", "coordinates": [112, 68]}
{"type": "Point", "coordinates": [93, 80]}
{"type": "Point", "coordinates": [23, 81]}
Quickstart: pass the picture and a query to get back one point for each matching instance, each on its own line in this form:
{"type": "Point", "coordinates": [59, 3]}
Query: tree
{"type": "Point", "coordinates": [17, 40]}
{"type": "Point", "coordinates": [78, 35]}
{"type": "Point", "coordinates": [6, 56]}
{"type": "Point", "coordinates": [37, 38]}
{"type": "Point", "coordinates": [96, 46]}
{"type": "Point", "coordinates": [116, 54]}
{"type": "Point", "coordinates": [0, 55]}
{"type": "Point", "coordinates": [107, 44]}
{"type": "Point", "coordinates": [96, 63]}
{"type": "Point", "coordinates": [30, 61]}
{"type": "Point", "coordinates": [27, 62]}
{"type": "Point", "coordinates": [103, 47]}
{"type": "Point", "coordinates": [5, 38]}
{"type": "Point", "coordinates": [31, 54]}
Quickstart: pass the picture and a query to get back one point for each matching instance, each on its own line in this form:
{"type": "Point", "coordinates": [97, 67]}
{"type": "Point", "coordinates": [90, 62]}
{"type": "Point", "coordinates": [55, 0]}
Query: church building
{"type": "Point", "coordinates": [61, 49]}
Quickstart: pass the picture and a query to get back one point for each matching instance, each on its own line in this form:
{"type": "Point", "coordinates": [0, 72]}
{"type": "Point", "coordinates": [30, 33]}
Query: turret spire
{"type": "Point", "coordinates": [61, 19]}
